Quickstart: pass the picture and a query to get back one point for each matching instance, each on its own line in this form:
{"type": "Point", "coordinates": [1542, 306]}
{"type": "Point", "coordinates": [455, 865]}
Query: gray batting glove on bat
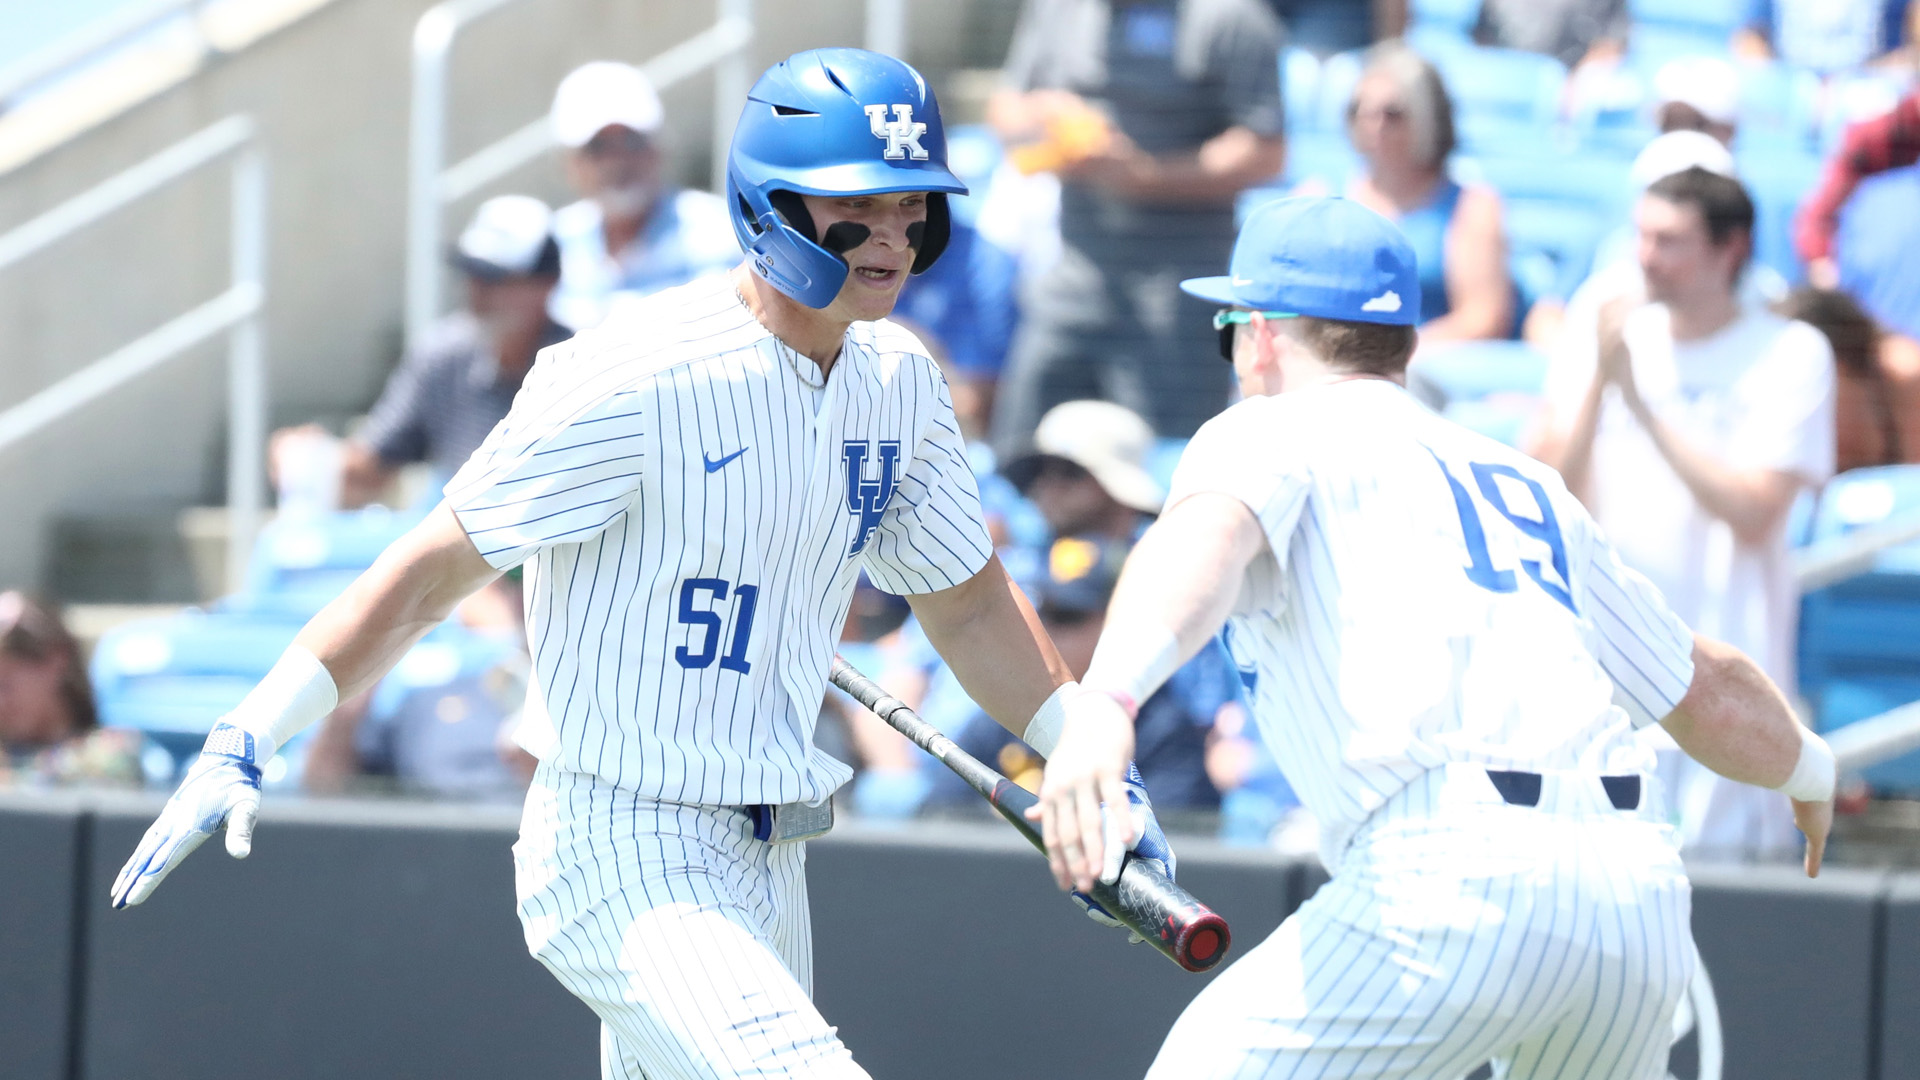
{"type": "Point", "coordinates": [222, 787]}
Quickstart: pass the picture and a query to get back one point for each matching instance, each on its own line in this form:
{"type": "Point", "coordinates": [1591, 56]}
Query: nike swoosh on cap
{"type": "Point", "coordinates": [716, 466]}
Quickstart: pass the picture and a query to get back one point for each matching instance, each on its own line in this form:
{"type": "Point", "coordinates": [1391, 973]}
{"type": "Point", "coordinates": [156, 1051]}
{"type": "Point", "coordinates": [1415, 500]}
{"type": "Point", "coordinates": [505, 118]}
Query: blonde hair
{"type": "Point", "coordinates": [1424, 93]}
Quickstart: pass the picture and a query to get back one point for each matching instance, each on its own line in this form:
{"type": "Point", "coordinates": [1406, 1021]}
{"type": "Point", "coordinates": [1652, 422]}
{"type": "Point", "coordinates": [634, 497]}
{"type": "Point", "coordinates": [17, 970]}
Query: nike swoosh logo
{"type": "Point", "coordinates": [716, 466]}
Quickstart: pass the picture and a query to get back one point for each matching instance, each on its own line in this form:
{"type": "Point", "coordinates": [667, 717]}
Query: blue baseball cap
{"type": "Point", "coordinates": [1322, 256]}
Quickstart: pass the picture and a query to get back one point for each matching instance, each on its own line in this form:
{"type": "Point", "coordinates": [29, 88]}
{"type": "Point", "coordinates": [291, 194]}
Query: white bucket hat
{"type": "Point", "coordinates": [1110, 441]}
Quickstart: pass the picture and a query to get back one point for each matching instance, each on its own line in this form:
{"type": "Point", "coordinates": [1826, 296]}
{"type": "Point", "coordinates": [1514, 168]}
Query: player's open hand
{"type": "Point", "coordinates": [1088, 768]}
{"type": "Point", "coordinates": [1815, 819]}
{"type": "Point", "coordinates": [223, 786]}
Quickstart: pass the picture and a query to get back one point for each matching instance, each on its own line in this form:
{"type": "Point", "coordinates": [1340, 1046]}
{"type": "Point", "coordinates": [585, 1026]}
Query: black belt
{"type": "Point", "coordinates": [1523, 788]}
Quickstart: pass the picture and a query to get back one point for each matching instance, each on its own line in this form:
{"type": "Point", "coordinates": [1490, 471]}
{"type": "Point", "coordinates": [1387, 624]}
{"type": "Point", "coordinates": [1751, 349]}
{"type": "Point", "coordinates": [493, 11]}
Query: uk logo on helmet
{"type": "Point", "coordinates": [901, 133]}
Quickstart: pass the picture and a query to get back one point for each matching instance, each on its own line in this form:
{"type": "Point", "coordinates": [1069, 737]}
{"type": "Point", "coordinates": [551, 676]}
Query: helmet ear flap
{"type": "Point", "coordinates": [789, 205]}
{"type": "Point", "coordinates": [929, 238]}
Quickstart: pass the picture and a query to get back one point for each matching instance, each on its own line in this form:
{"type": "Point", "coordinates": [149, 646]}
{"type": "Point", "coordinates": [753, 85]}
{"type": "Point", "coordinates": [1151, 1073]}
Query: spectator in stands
{"type": "Point", "coordinates": [1877, 262]}
{"type": "Point", "coordinates": [1400, 121]}
{"type": "Point", "coordinates": [1877, 396]}
{"type": "Point", "coordinates": [1172, 729]}
{"type": "Point", "coordinates": [1575, 31]}
{"type": "Point", "coordinates": [1825, 36]}
{"type": "Point", "coordinates": [1616, 265]}
{"type": "Point", "coordinates": [49, 730]}
{"type": "Point", "coordinates": [1688, 424]}
{"type": "Point", "coordinates": [632, 232]}
{"type": "Point", "coordinates": [1698, 93]}
{"type": "Point", "coordinates": [1088, 472]}
{"type": "Point", "coordinates": [1155, 114]}
{"type": "Point", "coordinates": [455, 385]}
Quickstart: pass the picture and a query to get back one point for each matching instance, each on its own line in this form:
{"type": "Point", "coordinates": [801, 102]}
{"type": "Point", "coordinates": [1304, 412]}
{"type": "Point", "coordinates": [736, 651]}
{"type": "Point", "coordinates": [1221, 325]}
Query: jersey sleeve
{"type": "Point", "coordinates": [1236, 454]}
{"type": "Point", "coordinates": [932, 535]}
{"type": "Point", "coordinates": [563, 464]}
{"type": "Point", "coordinates": [1642, 645]}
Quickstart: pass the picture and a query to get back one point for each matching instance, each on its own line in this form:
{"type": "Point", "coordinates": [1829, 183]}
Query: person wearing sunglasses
{"type": "Point", "coordinates": [1400, 123]}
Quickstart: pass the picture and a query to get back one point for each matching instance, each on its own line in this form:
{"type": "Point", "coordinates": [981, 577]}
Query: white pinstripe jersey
{"type": "Point", "coordinates": [693, 518]}
{"type": "Point", "coordinates": [1429, 596]}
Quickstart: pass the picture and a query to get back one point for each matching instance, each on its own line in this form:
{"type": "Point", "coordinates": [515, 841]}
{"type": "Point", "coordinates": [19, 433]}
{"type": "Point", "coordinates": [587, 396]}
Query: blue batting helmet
{"type": "Point", "coordinates": [833, 122]}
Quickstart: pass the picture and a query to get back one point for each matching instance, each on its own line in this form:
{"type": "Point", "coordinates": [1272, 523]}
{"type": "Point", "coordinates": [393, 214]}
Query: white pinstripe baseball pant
{"type": "Point", "coordinates": [689, 938]}
{"type": "Point", "coordinates": [1553, 941]}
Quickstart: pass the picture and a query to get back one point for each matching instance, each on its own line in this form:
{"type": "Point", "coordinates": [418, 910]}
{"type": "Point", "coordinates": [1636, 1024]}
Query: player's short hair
{"type": "Point", "coordinates": [1363, 348]}
{"type": "Point", "coordinates": [1723, 202]}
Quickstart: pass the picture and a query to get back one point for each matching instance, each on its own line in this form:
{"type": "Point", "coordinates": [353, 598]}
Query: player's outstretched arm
{"type": "Point", "coordinates": [346, 648]}
{"type": "Point", "coordinates": [1177, 589]}
{"type": "Point", "coordinates": [1735, 721]}
{"type": "Point", "coordinates": [988, 633]}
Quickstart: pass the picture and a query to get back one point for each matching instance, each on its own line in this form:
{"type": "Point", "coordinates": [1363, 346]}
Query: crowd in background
{"type": "Point", "coordinates": [1691, 394]}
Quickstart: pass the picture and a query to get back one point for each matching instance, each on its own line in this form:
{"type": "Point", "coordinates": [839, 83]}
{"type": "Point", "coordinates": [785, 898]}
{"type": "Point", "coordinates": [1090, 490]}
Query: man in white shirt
{"type": "Point", "coordinates": [1688, 424]}
{"type": "Point", "coordinates": [632, 232]}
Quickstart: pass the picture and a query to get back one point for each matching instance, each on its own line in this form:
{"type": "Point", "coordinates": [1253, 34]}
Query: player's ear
{"type": "Point", "coordinates": [1268, 346]}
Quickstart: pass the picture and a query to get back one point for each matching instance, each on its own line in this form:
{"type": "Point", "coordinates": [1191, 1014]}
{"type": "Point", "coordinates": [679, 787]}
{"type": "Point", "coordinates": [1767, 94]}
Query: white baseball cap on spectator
{"type": "Point", "coordinates": [1678, 151]}
{"type": "Point", "coordinates": [1110, 441]}
{"type": "Point", "coordinates": [602, 94]}
{"type": "Point", "coordinates": [509, 236]}
{"type": "Point", "coordinates": [1706, 84]}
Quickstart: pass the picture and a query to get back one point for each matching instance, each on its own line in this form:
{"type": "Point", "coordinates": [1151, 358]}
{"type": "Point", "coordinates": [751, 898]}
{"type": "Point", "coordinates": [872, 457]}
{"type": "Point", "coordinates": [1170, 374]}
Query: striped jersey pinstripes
{"type": "Point", "coordinates": [1429, 596]}
{"type": "Point", "coordinates": [693, 518]}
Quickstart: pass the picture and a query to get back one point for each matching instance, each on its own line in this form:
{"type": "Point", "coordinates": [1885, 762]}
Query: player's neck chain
{"type": "Point", "coordinates": [786, 351]}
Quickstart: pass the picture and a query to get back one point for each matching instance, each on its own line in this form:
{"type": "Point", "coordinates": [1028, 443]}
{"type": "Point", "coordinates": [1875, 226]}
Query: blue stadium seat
{"type": "Point", "coordinates": [1456, 16]}
{"type": "Point", "coordinates": [1860, 638]}
{"type": "Point", "coordinates": [1339, 74]}
{"type": "Point", "coordinates": [1477, 370]}
{"type": "Point", "coordinates": [1507, 84]}
{"type": "Point", "coordinates": [1668, 29]}
{"type": "Point", "coordinates": [172, 677]}
{"type": "Point", "coordinates": [1299, 87]}
{"type": "Point", "coordinates": [1550, 247]}
{"type": "Point", "coordinates": [1597, 182]}
{"type": "Point", "coordinates": [1325, 156]}
{"type": "Point", "coordinates": [301, 563]}
{"type": "Point", "coordinates": [1779, 105]}
{"type": "Point", "coordinates": [1777, 179]}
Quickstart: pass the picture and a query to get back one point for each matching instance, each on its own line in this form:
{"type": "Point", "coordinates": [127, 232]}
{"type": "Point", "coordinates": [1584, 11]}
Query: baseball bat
{"type": "Point", "coordinates": [1189, 932]}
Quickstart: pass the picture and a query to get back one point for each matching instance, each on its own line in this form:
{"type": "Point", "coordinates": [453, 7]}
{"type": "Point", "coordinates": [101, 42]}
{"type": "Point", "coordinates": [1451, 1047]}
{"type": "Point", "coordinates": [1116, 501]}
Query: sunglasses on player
{"type": "Point", "coordinates": [1226, 319]}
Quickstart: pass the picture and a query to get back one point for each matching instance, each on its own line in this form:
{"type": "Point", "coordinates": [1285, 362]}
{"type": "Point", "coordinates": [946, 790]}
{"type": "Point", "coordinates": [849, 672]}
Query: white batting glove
{"type": "Point", "coordinates": [223, 786]}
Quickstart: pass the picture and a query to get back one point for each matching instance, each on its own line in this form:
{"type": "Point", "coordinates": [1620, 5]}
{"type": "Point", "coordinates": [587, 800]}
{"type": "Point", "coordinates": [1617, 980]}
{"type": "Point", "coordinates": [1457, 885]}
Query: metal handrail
{"type": "Point", "coordinates": [91, 40]}
{"type": "Point", "coordinates": [431, 186]}
{"type": "Point", "coordinates": [237, 311]}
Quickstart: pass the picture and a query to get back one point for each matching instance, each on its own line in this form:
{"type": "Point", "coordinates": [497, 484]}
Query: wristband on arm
{"type": "Point", "coordinates": [1814, 774]}
{"type": "Point", "coordinates": [1129, 665]}
{"type": "Point", "coordinates": [1043, 731]}
{"type": "Point", "coordinates": [296, 693]}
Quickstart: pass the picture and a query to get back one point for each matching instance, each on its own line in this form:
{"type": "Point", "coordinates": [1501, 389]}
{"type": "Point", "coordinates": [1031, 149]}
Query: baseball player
{"type": "Point", "coordinates": [1449, 662]}
{"type": "Point", "coordinates": [694, 488]}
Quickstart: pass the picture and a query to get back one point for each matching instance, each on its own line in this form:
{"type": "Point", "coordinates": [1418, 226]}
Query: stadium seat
{"type": "Point", "coordinates": [172, 677]}
{"type": "Point", "coordinates": [300, 563]}
{"type": "Point", "coordinates": [1550, 248]}
{"type": "Point", "coordinates": [1324, 156]}
{"type": "Point", "coordinates": [1668, 29]}
{"type": "Point", "coordinates": [1504, 84]}
{"type": "Point", "coordinates": [1477, 370]}
{"type": "Point", "coordinates": [1778, 106]}
{"type": "Point", "coordinates": [1777, 179]}
{"type": "Point", "coordinates": [1299, 87]}
{"type": "Point", "coordinates": [1455, 16]}
{"type": "Point", "coordinates": [1339, 74]}
{"type": "Point", "coordinates": [1860, 638]}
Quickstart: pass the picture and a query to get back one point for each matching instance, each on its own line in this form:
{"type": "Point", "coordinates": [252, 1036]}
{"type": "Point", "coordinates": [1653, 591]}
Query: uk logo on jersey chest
{"type": "Point", "coordinates": [867, 497]}
{"type": "Point", "coordinates": [902, 133]}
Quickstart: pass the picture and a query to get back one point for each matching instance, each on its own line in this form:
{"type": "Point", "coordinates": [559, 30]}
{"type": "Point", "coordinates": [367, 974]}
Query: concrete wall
{"type": "Point", "coordinates": [379, 940]}
{"type": "Point", "coordinates": [330, 92]}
